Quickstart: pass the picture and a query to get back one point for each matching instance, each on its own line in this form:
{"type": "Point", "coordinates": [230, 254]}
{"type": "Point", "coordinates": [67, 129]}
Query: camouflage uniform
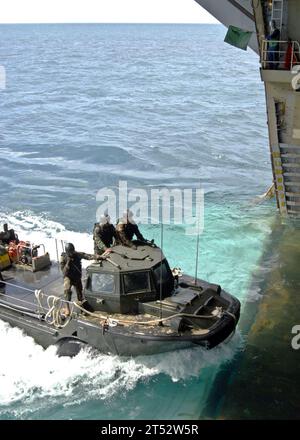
{"type": "Point", "coordinates": [72, 271]}
{"type": "Point", "coordinates": [126, 231]}
{"type": "Point", "coordinates": [103, 237]}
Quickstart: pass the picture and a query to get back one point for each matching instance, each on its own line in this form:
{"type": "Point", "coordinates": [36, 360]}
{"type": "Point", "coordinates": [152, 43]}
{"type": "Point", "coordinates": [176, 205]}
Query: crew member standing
{"type": "Point", "coordinates": [274, 47]}
{"type": "Point", "coordinates": [127, 228]}
{"type": "Point", "coordinates": [70, 264]}
{"type": "Point", "coordinates": [104, 235]}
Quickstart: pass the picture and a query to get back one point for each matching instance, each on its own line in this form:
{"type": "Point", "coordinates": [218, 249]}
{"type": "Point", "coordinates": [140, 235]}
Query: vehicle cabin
{"type": "Point", "coordinates": [128, 278]}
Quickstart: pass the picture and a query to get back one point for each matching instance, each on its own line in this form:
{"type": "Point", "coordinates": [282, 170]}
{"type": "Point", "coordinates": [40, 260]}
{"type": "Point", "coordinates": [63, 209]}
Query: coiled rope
{"type": "Point", "coordinates": [55, 318]}
{"type": "Point", "coordinates": [55, 304]}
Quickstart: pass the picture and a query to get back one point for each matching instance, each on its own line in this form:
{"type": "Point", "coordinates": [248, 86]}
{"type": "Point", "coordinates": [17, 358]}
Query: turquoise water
{"type": "Point", "coordinates": [156, 105]}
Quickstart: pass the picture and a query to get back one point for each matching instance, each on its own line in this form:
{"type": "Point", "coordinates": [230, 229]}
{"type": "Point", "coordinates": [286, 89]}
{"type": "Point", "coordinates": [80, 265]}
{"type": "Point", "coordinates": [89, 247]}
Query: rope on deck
{"type": "Point", "coordinates": [55, 304]}
{"type": "Point", "coordinates": [112, 322]}
{"type": "Point", "coordinates": [57, 319]}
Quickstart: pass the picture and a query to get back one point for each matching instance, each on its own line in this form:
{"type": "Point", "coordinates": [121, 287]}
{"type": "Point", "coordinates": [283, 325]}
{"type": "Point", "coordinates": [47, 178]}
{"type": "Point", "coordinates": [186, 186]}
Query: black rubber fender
{"type": "Point", "coordinates": [69, 346]}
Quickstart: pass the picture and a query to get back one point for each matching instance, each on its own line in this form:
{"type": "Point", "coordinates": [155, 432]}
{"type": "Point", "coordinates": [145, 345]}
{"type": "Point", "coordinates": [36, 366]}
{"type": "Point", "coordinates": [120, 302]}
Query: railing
{"type": "Point", "coordinates": [59, 243]}
{"type": "Point", "coordinates": [282, 55]}
{"type": "Point", "coordinates": [44, 307]}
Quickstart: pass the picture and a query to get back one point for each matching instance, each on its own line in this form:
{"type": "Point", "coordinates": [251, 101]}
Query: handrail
{"type": "Point", "coordinates": [31, 303]}
{"type": "Point", "coordinates": [51, 312]}
{"type": "Point", "coordinates": [275, 59]}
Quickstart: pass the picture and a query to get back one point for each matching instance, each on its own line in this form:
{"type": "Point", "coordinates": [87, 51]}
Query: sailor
{"type": "Point", "coordinates": [274, 46]}
{"type": "Point", "coordinates": [104, 234]}
{"type": "Point", "coordinates": [126, 229]}
{"type": "Point", "coordinates": [70, 264]}
{"type": "Point", "coordinates": [8, 235]}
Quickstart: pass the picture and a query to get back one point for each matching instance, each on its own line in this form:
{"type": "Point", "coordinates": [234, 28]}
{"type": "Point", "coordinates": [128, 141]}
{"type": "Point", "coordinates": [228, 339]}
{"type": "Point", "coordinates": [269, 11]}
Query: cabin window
{"type": "Point", "coordinates": [136, 282]}
{"type": "Point", "coordinates": [103, 282]}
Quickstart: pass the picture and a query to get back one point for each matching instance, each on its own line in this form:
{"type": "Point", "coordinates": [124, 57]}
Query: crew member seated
{"type": "Point", "coordinates": [104, 235]}
{"type": "Point", "coordinates": [8, 235]}
{"type": "Point", "coordinates": [126, 229]}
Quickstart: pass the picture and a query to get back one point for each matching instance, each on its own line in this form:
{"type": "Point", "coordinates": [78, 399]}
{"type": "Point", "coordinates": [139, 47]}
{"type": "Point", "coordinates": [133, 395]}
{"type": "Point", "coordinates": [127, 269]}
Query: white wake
{"type": "Point", "coordinates": [31, 376]}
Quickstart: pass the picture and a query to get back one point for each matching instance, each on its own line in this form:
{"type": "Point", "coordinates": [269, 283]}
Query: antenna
{"type": "Point", "coordinates": [161, 260]}
{"type": "Point", "coordinates": [197, 249]}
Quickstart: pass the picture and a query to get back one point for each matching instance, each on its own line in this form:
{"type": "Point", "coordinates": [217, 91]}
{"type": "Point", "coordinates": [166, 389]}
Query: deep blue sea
{"type": "Point", "coordinates": [86, 106]}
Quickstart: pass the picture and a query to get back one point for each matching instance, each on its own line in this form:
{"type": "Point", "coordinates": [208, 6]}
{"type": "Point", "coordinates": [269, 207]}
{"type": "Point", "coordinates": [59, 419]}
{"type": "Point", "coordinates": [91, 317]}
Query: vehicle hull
{"type": "Point", "coordinates": [115, 340]}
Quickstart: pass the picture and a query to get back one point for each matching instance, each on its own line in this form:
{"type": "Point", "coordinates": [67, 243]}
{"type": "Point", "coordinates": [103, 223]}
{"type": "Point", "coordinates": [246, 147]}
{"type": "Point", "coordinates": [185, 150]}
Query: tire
{"type": "Point", "coordinates": [69, 347]}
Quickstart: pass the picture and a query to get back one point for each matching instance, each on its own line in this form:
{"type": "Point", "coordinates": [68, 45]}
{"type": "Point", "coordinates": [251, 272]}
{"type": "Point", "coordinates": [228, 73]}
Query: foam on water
{"type": "Point", "coordinates": [39, 229]}
{"type": "Point", "coordinates": [142, 103]}
{"type": "Point", "coordinates": [39, 378]}
{"type": "Point", "coordinates": [32, 377]}
{"type": "Point", "coordinates": [29, 372]}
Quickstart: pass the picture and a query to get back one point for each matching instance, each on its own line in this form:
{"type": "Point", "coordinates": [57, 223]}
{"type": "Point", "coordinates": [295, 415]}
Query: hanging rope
{"type": "Point", "coordinates": [153, 321]}
{"type": "Point", "coordinates": [55, 304]}
{"type": "Point", "coordinates": [57, 319]}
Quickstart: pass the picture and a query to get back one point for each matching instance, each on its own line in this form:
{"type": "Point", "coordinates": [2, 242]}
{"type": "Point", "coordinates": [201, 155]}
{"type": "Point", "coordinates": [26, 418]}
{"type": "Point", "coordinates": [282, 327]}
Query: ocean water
{"type": "Point", "coordinates": [156, 105]}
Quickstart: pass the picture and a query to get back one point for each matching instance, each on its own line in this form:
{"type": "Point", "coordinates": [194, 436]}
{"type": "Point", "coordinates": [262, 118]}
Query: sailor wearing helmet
{"type": "Point", "coordinates": [70, 264]}
{"type": "Point", "coordinates": [127, 229]}
{"type": "Point", "coordinates": [104, 234]}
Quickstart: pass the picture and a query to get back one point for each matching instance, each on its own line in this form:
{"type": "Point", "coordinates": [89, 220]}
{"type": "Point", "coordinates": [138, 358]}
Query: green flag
{"type": "Point", "coordinates": [238, 37]}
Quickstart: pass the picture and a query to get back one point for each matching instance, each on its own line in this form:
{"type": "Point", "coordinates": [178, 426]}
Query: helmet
{"type": "Point", "coordinates": [70, 249]}
{"type": "Point", "coordinates": [105, 218]}
{"type": "Point", "coordinates": [128, 216]}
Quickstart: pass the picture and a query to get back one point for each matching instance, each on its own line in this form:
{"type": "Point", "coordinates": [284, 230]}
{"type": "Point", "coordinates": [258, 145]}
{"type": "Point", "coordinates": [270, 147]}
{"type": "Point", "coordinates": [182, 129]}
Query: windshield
{"type": "Point", "coordinates": [103, 282]}
{"type": "Point", "coordinates": [136, 281]}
